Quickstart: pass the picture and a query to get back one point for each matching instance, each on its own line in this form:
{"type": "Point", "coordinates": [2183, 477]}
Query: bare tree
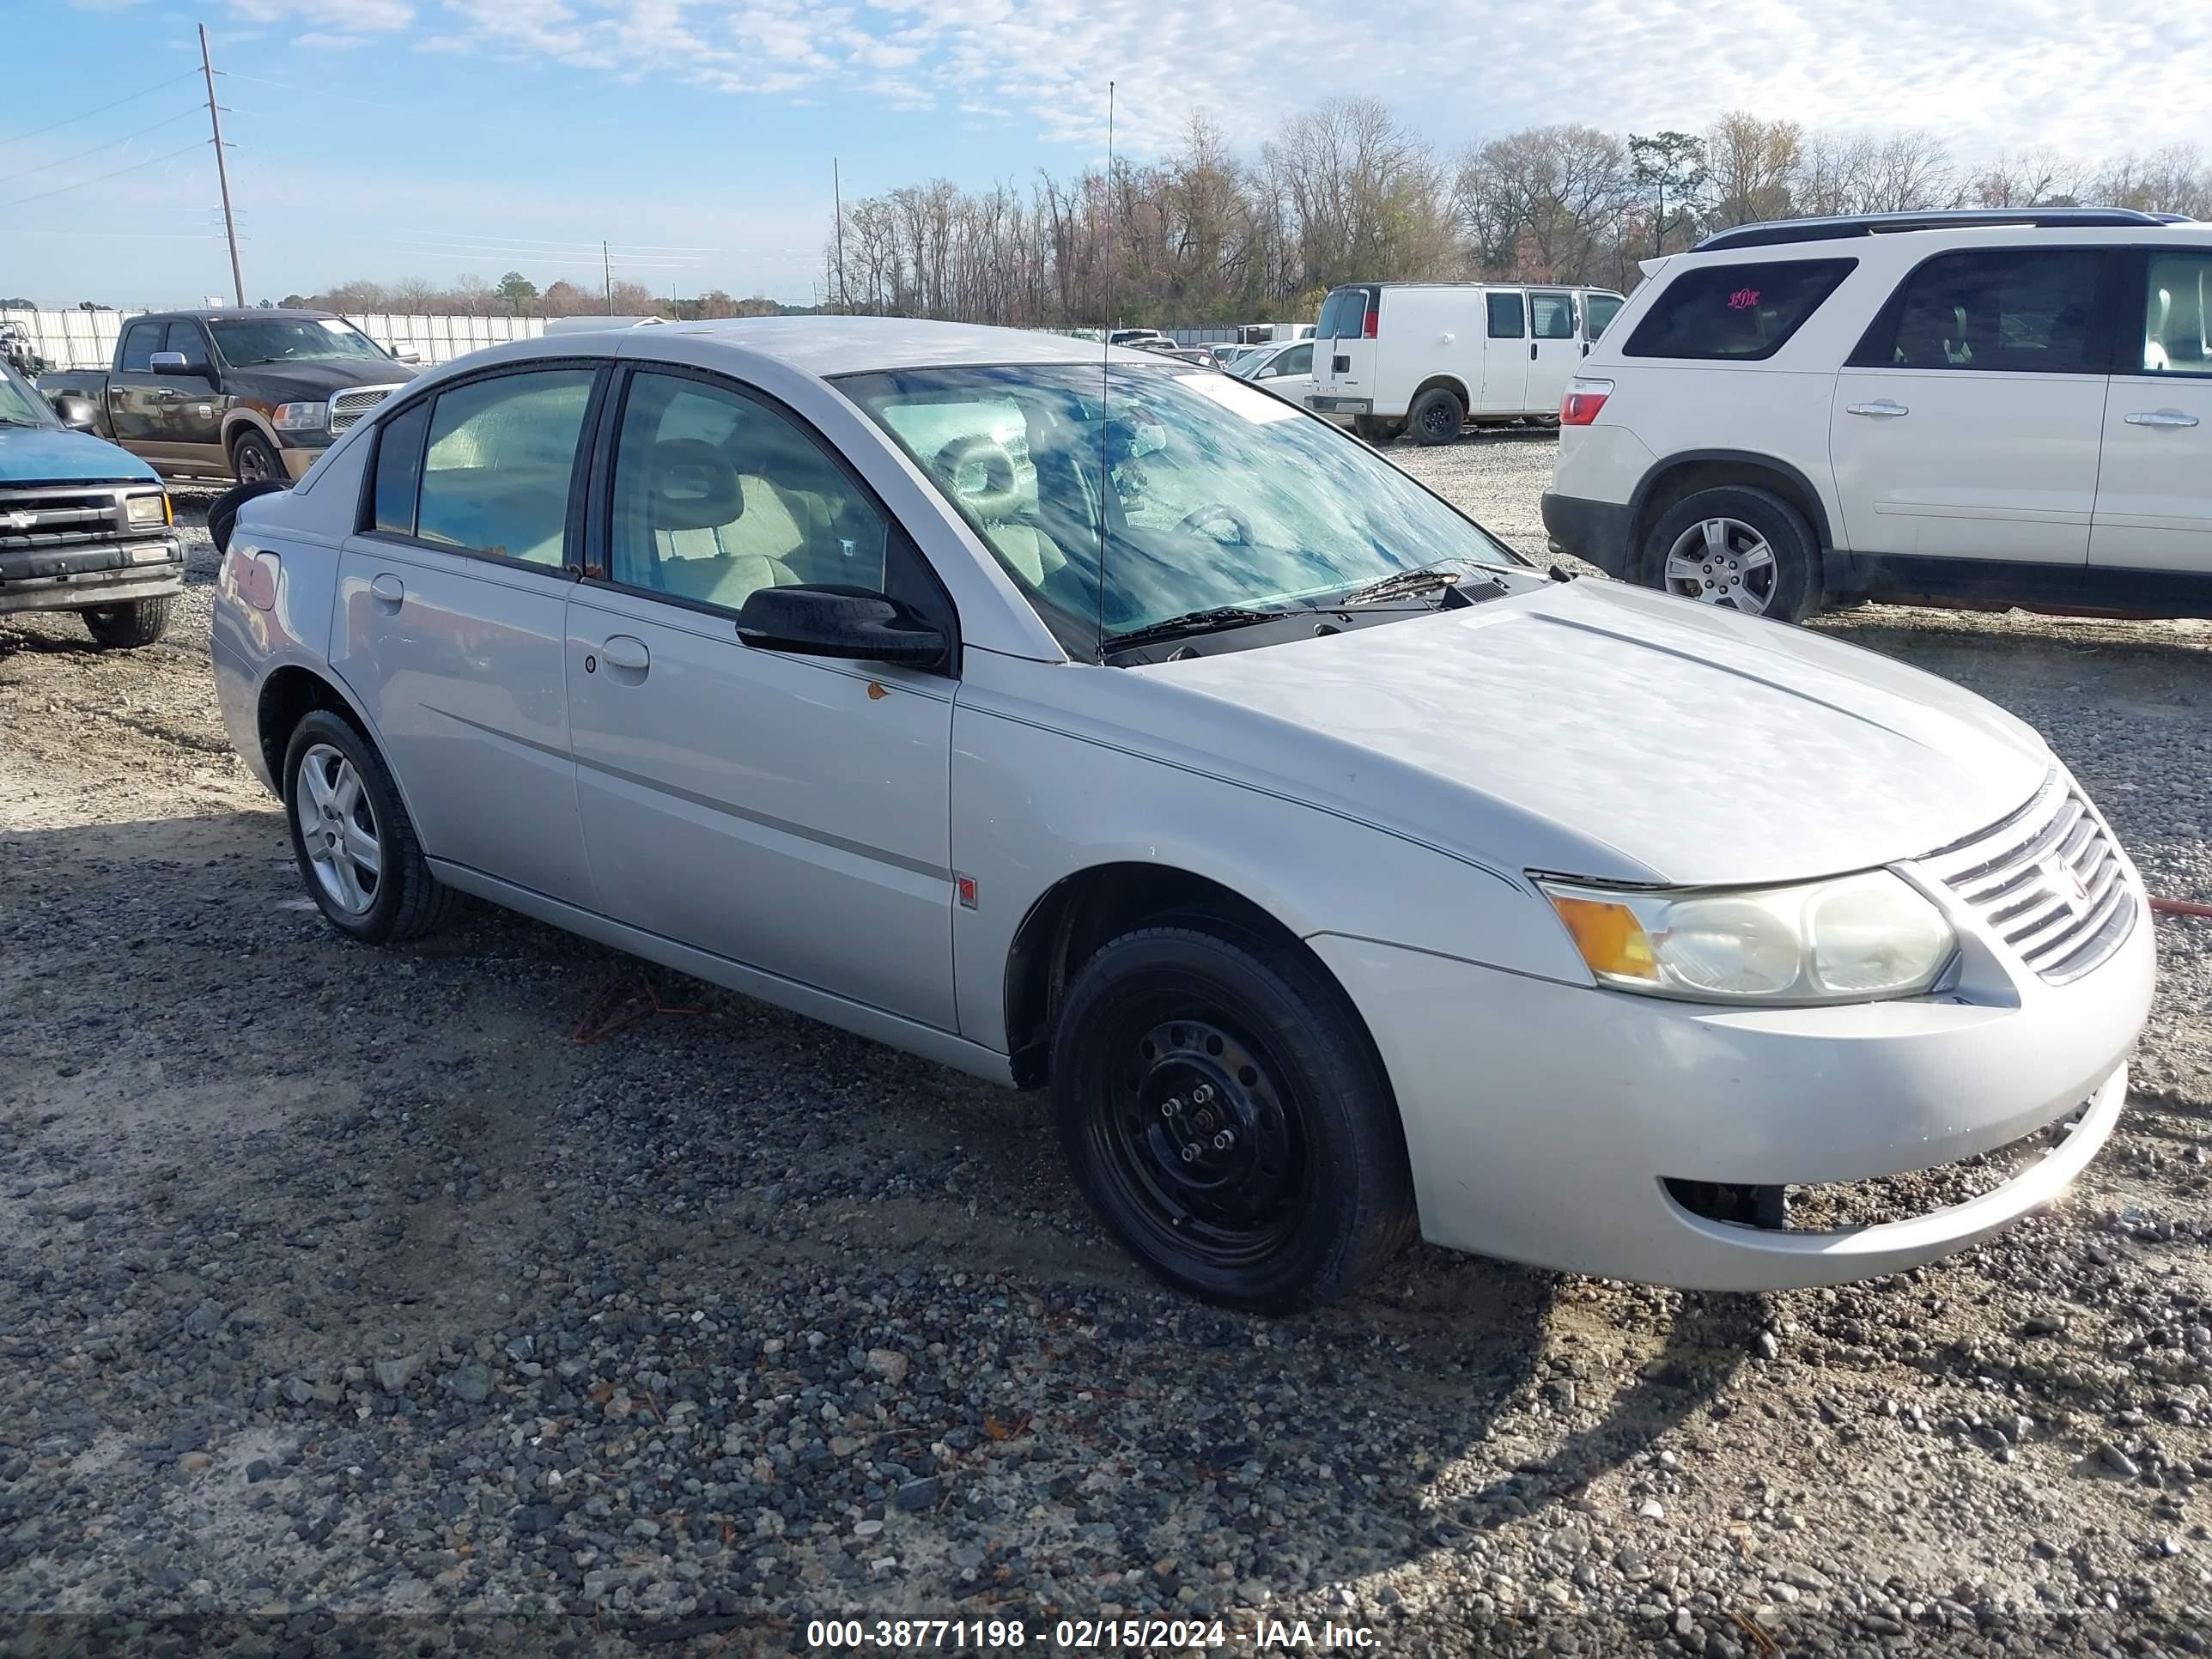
{"type": "Point", "coordinates": [1752, 167]}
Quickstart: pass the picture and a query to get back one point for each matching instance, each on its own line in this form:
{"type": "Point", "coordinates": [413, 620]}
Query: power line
{"type": "Point", "coordinates": [48, 166]}
{"type": "Point", "coordinates": [103, 178]}
{"type": "Point", "coordinates": [81, 115]}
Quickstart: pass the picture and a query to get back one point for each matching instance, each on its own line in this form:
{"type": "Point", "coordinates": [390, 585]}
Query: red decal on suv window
{"type": "Point", "coordinates": [1743, 299]}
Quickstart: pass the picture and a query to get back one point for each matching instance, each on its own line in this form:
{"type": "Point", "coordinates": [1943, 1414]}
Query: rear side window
{"type": "Point", "coordinates": [1598, 310]}
{"type": "Point", "coordinates": [2016, 311]}
{"type": "Point", "coordinates": [1739, 314]}
{"type": "Point", "coordinates": [1507, 319]}
{"type": "Point", "coordinates": [398, 469]}
{"type": "Point", "coordinates": [140, 342]}
{"type": "Point", "coordinates": [1343, 314]}
{"type": "Point", "coordinates": [1553, 315]}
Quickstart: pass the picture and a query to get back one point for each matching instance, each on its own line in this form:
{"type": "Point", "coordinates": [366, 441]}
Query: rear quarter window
{"type": "Point", "coordinates": [1735, 313]}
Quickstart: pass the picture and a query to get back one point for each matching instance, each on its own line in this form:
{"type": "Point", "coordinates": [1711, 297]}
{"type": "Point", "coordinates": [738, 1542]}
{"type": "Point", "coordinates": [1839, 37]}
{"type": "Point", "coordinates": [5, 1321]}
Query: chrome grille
{"type": "Point", "coordinates": [2049, 881]}
{"type": "Point", "coordinates": [350, 405]}
{"type": "Point", "coordinates": [49, 518]}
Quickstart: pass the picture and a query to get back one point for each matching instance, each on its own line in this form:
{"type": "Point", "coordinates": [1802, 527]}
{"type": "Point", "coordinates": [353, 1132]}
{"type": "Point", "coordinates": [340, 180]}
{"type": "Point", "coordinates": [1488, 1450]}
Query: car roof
{"type": "Point", "coordinates": [830, 346]}
{"type": "Point", "coordinates": [1772, 233]}
{"type": "Point", "coordinates": [240, 313]}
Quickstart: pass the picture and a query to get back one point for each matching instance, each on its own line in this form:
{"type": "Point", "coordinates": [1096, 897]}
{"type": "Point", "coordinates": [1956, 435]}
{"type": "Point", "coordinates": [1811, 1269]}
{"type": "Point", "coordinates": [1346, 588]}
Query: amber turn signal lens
{"type": "Point", "coordinates": [1609, 937]}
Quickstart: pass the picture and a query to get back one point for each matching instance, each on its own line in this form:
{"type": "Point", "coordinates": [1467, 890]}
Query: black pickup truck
{"type": "Point", "coordinates": [243, 394]}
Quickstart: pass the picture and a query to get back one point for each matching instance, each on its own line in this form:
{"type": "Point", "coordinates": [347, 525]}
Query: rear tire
{"type": "Point", "coordinates": [1227, 1118]}
{"type": "Point", "coordinates": [1764, 546]}
{"type": "Point", "coordinates": [1374, 429]}
{"type": "Point", "coordinates": [127, 626]}
{"type": "Point", "coordinates": [1435, 417]}
{"type": "Point", "coordinates": [252, 461]}
{"type": "Point", "coordinates": [355, 849]}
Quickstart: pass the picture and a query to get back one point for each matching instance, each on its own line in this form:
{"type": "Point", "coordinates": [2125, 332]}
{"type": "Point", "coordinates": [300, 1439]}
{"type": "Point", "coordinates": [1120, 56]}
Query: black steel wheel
{"type": "Point", "coordinates": [1227, 1117]}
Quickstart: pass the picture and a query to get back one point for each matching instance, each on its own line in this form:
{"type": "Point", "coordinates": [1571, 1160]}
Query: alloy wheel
{"type": "Point", "coordinates": [338, 829]}
{"type": "Point", "coordinates": [1724, 562]}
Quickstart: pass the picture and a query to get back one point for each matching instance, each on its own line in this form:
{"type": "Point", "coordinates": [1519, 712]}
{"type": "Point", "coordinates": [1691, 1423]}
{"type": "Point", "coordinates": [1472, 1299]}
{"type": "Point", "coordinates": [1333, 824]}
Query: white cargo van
{"type": "Point", "coordinates": [1428, 358]}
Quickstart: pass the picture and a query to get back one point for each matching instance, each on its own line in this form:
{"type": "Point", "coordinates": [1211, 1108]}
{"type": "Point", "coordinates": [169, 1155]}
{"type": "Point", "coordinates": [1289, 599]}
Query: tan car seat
{"type": "Point", "coordinates": [704, 549]}
{"type": "Point", "coordinates": [980, 475]}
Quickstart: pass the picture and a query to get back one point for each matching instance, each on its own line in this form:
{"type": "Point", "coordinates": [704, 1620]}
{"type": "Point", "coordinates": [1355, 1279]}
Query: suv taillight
{"type": "Point", "coordinates": [1582, 400]}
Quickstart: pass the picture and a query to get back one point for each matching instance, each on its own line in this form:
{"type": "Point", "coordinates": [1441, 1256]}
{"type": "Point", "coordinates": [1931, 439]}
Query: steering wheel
{"type": "Point", "coordinates": [1214, 513]}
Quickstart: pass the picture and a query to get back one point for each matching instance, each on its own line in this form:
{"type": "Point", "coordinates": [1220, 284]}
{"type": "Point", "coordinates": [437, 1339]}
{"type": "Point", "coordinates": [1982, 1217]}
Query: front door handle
{"type": "Point", "coordinates": [1881, 409]}
{"type": "Point", "coordinates": [621, 651]}
{"type": "Point", "coordinates": [389, 590]}
{"type": "Point", "coordinates": [1532, 351]}
{"type": "Point", "coordinates": [2161, 418]}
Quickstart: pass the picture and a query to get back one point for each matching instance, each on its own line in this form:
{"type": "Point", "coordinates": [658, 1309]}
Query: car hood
{"type": "Point", "coordinates": [57, 454]}
{"type": "Point", "coordinates": [284, 382]}
{"type": "Point", "coordinates": [1590, 728]}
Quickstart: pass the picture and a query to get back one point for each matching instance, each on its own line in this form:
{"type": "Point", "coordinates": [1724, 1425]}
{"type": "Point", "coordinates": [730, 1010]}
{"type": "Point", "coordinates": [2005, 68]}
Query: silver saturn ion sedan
{"type": "Point", "coordinates": [1095, 722]}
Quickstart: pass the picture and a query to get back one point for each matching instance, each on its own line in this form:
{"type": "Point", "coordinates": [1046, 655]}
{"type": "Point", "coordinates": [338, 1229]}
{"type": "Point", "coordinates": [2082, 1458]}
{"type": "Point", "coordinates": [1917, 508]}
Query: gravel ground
{"type": "Point", "coordinates": [354, 1307]}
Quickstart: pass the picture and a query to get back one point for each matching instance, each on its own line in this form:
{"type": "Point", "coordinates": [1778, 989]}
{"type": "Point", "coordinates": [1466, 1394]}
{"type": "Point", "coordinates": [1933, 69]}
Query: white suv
{"type": "Point", "coordinates": [2007, 408]}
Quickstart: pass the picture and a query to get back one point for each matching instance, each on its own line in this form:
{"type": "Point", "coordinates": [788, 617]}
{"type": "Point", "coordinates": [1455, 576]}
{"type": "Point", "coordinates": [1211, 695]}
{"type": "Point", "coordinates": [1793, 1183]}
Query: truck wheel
{"type": "Point", "coordinates": [351, 838]}
{"type": "Point", "coordinates": [125, 627]}
{"type": "Point", "coordinates": [251, 460]}
{"type": "Point", "coordinates": [1738, 547]}
{"type": "Point", "coordinates": [1436, 417]}
{"type": "Point", "coordinates": [1229, 1119]}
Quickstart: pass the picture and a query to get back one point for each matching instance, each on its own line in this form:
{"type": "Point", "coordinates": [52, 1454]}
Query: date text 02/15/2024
{"type": "Point", "coordinates": [1082, 1635]}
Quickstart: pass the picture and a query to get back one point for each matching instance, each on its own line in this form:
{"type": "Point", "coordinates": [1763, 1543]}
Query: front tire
{"type": "Point", "coordinates": [1435, 417]}
{"type": "Point", "coordinates": [1738, 547]}
{"type": "Point", "coordinates": [127, 626]}
{"type": "Point", "coordinates": [351, 838]}
{"type": "Point", "coordinates": [253, 461]}
{"type": "Point", "coordinates": [1227, 1118]}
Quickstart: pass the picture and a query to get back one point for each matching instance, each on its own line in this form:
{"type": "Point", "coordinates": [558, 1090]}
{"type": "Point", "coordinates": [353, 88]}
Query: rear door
{"type": "Point", "coordinates": [1967, 423]}
{"type": "Point", "coordinates": [1554, 349]}
{"type": "Point", "coordinates": [450, 612]}
{"type": "Point", "coordinates": [138, 398]}
{"type": "Point", "coordinates": [1345, 344]}
{"type": "Point", "coordinates": [1505, 349]}
{"type": "Point", "coordinates": [2154, 481]}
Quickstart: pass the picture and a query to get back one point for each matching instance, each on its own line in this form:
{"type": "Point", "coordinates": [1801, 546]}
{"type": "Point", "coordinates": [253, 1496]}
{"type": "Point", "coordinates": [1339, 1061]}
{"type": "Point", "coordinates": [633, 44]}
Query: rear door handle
{"type": "Point", "coordinates": [621, 651]}
{"type": "Point", "coordinates": [1881, 409]}
{"type": "Point", "coordinates": [1532, 351]}
{"type": "Point", "coordinates": [2161, 418]}
{"type": "Point", "coordinates": [389, 590]}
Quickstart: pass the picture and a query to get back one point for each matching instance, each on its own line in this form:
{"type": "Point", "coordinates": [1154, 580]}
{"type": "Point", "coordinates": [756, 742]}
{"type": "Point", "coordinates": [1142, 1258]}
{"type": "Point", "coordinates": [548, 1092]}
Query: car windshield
{"type": "Point", "coordinates": [19, 404]}
{"type": "Point", "coordinates": [250, 344]}
{"type": "Point", "coordinates": [1193, 490]}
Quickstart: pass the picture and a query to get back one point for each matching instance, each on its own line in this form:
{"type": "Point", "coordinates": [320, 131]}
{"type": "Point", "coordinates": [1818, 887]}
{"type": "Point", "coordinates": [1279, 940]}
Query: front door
{"type": "Point", "coordinates": [1554, 351]}
{"type": "Point", "coordinates": [2154, 482]}
{"type": "Point", "coordinates": [787, 813]}
{"type": "Point", "coordinates": [1968, 424]}
{"type": "Point", "coordinates": [1505, 349]}
{"type": "Point", "coordinates": [193, 415]}
{"type": "Point", "coordinates": [449, 625]}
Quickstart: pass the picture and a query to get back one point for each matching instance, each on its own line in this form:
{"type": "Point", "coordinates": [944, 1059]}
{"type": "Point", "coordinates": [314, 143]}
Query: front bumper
{"type": "Point", "coordinates": [1543, 1120]}
{"type": "Point", "coordinates": [73, 577]}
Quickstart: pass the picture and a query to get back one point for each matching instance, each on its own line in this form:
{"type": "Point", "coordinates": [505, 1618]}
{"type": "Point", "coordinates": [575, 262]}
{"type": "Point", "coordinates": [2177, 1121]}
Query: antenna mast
{"type": "Point", "coordinates": [1105, 375]}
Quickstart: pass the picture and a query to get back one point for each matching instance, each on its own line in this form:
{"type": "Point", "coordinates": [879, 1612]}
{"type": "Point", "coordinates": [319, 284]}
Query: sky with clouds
{"type": "Point", "coordinates": [390, 138]}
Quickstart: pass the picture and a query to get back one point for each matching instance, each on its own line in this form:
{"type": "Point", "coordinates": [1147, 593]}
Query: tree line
{"type": "Point", "coordinates": [1347, 192]}
{"type": "Point", "coordinates": [516, 295]}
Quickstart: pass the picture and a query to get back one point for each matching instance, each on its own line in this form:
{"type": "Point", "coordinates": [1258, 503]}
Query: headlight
{"type": "Point", "coordinates": [149, 509]}
{"type": "Point", "coordinates": [1852, 940]}
{"type": "Point", "coordinates": [301, 417]}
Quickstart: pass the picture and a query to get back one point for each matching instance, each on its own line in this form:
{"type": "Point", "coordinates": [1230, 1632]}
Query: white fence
{"type": "Point", "coordinates": [86, 339]}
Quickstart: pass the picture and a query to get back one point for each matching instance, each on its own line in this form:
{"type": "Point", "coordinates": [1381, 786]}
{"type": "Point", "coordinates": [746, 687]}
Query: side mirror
{"type": "Point", "coordinates": [76, 411]}
{"type": "Point", "coordinates": [832, 620]}
{"type": "Point", "coordinates": [172, 362]}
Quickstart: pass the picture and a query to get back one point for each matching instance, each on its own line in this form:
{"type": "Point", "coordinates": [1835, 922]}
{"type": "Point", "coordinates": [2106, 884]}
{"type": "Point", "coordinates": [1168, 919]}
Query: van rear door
{"type": "Point", "coordinates": [1345, 343]}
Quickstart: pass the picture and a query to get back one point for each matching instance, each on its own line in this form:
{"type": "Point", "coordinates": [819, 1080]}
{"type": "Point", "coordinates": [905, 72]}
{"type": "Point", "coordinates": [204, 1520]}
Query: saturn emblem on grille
{"type": "Point", "coordinates": [20, 521]}
{"type": "Point", "coordinates": [2064, 882]}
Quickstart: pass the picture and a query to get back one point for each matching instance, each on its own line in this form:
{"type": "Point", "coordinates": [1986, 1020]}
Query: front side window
{"type": "Point", "coordinates": [497, 464]}
{"type": "Point", "coordinates": [1299, 359]}
{"type": "Point", "coordinates": [1509, 318]}
{"type": "Point", "coordinates": [184, 338]}
{"type": "Point", "coordinates": [717, 494]}
{"type": "Point", "coordinates": [252, 342]}
{"type": "Point", "coordinates": [140, 342]}
{"type": "Point", "coordinates": [2177, 334]}
{"type": "Point", "coordinates": [2017, 311]}
{"type": "Point", "coordinates": [1739, 312]}
{"type": "Point", "coordinates": [1553, 315]}
{"type": "Point", "coordinates": [1145, 494]}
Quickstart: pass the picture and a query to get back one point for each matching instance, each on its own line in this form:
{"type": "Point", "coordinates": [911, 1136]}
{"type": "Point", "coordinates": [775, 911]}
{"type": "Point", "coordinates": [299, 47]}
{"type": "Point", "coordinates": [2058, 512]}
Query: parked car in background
{"type": "Point", "coordinates": [1139, 337]}
{"type": "Point", "coordinates": [1340, 873]}
{"type": "Point", "coordinates": [83, 526]}
{"type": "Point", "coordinates": [1429, 358]}
{"type": "Point", "coordinates": [19, 352]}
{"type": "Point", "coordinates": [245, 394]}
{"type": "Point", "coordinates": [1285, 369]}
{"type": "Point", "coordinates": [1274, 333]}
{"type": "Point", "coordinates": [1992, 408]}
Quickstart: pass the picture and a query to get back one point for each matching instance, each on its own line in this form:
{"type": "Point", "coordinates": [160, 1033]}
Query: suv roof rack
{"type": "Point", "coordinates": [1778, 231]}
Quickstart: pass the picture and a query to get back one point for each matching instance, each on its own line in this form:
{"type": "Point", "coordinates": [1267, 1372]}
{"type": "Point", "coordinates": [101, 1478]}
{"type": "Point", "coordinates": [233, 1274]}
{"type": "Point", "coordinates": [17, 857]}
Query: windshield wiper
{"type": "Point", "coordinates": [9, 420]}
{"type": "Point", "coordinates": [1193, 621]}
{"type": "Point", "coordinates": [1420, 581]}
